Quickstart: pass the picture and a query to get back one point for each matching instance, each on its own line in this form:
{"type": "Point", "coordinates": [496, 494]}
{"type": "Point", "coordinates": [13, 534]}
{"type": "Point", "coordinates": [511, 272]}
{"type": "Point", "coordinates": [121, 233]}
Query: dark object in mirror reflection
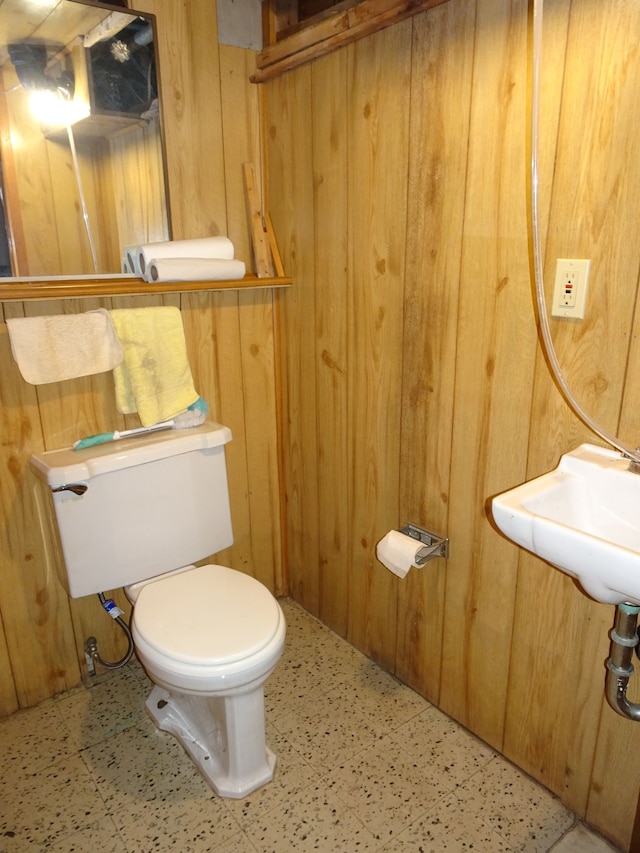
{"type": "Point", "coordinates": [30, 61]}
{"type": "Point", "coordinates": [123, 70]}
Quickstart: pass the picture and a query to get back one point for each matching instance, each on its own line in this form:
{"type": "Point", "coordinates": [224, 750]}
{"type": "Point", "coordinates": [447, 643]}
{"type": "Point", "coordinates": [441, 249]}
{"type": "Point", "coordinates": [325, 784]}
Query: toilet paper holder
{"type": "Point", "coordinates": [438, 545]}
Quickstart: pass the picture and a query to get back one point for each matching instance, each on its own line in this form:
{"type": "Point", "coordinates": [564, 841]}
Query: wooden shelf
{"type": "Point", "coordinates": [17, 290]}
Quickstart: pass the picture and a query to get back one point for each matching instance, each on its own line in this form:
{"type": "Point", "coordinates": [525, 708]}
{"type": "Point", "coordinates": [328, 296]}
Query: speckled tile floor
{"type": "Point", "coordinates": [364, 764]}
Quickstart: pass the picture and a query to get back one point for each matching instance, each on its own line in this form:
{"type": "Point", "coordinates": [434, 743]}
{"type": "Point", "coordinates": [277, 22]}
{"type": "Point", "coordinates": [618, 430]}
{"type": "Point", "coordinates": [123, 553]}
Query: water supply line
{"type": "Point", "coordinates": [91, 644]}
{"type": "Point", "coordinates": [624, 636]}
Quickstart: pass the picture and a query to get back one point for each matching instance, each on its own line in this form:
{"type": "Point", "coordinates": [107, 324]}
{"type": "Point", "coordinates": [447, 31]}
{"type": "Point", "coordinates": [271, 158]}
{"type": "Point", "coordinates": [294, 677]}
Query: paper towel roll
{"type": "Point", "coordinates": [399, 552]}
{"type": "Point", "coordinates": [203, 247]}
{"type": "Point", "coordinates": [131, 259]}
{"type": "Point", "coordinates": [193, 269]}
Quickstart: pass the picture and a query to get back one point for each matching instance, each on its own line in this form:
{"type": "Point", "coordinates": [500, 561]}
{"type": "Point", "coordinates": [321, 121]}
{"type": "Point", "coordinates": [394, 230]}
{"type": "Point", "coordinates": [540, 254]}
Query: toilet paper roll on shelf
{"type": "Point", "coordinates": [219, 248]}
{"type": "Point", "coordinates": [400, 550]}
{"type": "Point", "coordinates": [194, 269]}
{"type": "Point", "coordinates": [130, 259]}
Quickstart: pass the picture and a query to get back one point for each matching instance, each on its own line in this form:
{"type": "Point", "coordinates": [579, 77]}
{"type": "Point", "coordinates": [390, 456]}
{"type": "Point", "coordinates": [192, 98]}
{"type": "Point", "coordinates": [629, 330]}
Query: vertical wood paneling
{"type": "Point", "coordinates": [596, 218]}
{"type": "Point", "coordinates": [259, 405]}
{"type": "Point", "coordinates": [35, 608]}
{"type": "Point", "coordinates": [522, 650]}
{"type": "Point", "coordinates": [241, 131]}
{"type": "Point", "coordinates": [567, 627]}
{"type": "Point", "coordinates": [291, 197]}
{"type": "Point", "coordinates": [134, 161]}
{"type": "Point", "coordinates": [441, 79]}
{"type": "Point", "coordinates": [13, 223]}
{"type": "Point", "coordinates": [255, 367]}
{"type": "Point", "coordinates": [615, 777]}
{"type": "Point", "coordinates": [187, 40]}
{"type": "Point", "coordinates": [491, 411]}
{"type": "Point", "coordinates": [215, 331]}
{"type": "Point", "coordinates": [539, 688]}
{"type": "Point", "coordinates": [379, 135]}
{"type": "Point", "coordinates": [8, 695]}
{"type": "Point", "coordinates": [68, 230]}
{"type": "Point", "coordinates": [34, 191]}
{"type": "Point", "coordinates": [330, 246]}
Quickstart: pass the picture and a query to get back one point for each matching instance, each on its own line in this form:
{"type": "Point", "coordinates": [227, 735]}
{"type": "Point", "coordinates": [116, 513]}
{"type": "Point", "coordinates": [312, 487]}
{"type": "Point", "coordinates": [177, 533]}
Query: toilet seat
{"type": "Point", "coordinates": [207, 629]}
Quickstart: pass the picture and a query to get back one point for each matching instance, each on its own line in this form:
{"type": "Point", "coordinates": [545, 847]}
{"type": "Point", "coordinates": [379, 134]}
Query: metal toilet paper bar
{"type": "Point", "coordinates": [438, 545]}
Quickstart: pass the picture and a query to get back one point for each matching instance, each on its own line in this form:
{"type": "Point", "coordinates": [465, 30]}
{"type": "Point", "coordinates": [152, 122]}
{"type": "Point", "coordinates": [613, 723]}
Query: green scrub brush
{"type": "Point", "coordinates": [193, 416]}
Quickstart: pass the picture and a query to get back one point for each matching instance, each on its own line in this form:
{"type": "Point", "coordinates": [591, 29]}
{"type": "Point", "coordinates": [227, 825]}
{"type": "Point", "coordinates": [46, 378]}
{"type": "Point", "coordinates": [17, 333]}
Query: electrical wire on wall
{"type": "Point", "coordinates": [537, 252]}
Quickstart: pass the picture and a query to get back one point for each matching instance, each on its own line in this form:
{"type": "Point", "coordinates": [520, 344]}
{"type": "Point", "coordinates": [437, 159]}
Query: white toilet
{"type": "Point", "coordinates": [130, 513]}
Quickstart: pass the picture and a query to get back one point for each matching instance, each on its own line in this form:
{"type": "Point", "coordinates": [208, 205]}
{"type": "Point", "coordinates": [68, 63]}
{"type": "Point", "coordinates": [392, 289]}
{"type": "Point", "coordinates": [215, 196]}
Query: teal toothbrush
{"type": "Point", "coordinates": [193, 416]}
{"type": "Point", "coordinates": [105, 437]}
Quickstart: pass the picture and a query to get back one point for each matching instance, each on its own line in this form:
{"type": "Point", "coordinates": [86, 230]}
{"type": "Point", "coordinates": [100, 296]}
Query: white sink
{"type": "Point", "coordinates": [584, 519]}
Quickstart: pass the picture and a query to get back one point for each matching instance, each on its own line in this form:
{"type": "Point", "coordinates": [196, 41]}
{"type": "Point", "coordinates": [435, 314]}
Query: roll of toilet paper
{"type": "Point", "coordinates": [193, 269]}
{"type": "Point", "coordinates": [203, 247]}
{"type": "Point", "coordinates": [131, 260]}
{"type": "Point", "coordinates": [399, 552]}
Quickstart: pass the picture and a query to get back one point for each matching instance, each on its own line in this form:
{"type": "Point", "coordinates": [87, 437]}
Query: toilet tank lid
{"type": "Point", "coordinates": [60, 467]}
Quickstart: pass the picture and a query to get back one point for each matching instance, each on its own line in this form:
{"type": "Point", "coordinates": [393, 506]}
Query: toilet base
{"type": "Point", "coordinates": [223, 735]}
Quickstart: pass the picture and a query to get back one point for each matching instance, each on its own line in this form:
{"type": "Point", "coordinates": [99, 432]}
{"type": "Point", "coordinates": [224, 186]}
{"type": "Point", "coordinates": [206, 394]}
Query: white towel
{"type": "Point", "coordinates": [64, 346]}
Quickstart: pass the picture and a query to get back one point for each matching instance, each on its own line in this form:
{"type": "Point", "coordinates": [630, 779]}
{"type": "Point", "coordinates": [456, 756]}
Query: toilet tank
{"type": "Point", "coordinates": [153, 503]}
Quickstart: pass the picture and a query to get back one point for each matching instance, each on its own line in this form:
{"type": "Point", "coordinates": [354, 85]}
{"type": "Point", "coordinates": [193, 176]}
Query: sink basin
{"type": "Point", "coordinates": [583, 518]}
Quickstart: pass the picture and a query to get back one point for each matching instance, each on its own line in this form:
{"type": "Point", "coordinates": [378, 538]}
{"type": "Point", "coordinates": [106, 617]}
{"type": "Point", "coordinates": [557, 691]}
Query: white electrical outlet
{"type": "Point", "coordinates": [570, 291]}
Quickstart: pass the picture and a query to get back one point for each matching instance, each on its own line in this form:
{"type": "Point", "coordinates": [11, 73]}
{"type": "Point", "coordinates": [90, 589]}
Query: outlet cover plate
{"type": "Point", "coordinates": [570, 290]}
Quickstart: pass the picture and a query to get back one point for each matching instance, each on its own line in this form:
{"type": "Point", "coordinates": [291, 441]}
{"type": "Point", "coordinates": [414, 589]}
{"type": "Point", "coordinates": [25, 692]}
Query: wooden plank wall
{"type": "Point", "coordinates": [211, 127]}
{"type": "Point", "coordinates": [414, 384]}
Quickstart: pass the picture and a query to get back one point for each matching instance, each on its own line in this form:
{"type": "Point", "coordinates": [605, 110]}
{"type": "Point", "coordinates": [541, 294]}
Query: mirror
{"type": "Point", "coordinates": [81, 150]}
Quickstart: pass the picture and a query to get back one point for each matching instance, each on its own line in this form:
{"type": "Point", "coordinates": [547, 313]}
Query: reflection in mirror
{"type": "Point", "coordinates": [80, 137]}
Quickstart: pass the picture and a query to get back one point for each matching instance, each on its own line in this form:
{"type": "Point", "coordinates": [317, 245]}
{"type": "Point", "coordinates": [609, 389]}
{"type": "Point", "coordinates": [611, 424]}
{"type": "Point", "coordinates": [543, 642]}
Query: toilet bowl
{"type": "Point", "coordinates": [208, 638]}
{"type": "Point", "coordinates": [128, 513]}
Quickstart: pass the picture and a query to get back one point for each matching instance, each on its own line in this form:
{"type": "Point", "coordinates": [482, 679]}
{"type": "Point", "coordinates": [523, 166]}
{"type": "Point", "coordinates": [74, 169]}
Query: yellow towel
{"type": "Point", "coordinates": [154, 378]}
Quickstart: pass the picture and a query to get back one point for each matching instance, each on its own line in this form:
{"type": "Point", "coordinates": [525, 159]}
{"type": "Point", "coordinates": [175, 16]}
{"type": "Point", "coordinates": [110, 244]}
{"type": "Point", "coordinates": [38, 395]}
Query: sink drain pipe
{"type": "Point", "coordinates": [624, 639]}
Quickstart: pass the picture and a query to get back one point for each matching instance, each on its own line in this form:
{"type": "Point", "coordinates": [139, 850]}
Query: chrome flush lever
{"type": "Point", "coordinates": [76, 488]}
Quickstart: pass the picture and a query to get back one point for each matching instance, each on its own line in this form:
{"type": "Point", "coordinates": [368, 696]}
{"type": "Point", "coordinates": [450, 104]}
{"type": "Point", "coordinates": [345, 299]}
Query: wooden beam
{"type": "Point", "coordinates": [259, 237]}
{"type": "Point", "coordinates": [332, 31]}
